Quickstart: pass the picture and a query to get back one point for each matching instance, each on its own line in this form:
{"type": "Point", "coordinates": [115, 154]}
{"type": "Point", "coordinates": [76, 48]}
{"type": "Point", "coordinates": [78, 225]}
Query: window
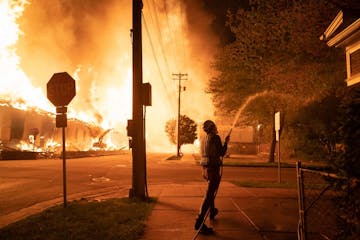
{"type": "Point", "coordinates": [353, 64]}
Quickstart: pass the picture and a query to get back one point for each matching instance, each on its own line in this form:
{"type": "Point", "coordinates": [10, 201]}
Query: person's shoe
{"type": "Point", "coordinates": [213, 213]}
{"type": "Point", "coordinates": [198, 223]}
{"type": "Point", "coordinates": [206, 230]}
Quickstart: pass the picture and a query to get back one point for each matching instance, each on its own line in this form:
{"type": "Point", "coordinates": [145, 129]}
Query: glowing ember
{"type": "Point", "coordinates": [49, 147]}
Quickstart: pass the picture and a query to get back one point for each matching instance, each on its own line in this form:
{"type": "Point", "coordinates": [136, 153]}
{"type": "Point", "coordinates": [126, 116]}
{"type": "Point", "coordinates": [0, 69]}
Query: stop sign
{"type": "Point", "coordinates": [61, 89]}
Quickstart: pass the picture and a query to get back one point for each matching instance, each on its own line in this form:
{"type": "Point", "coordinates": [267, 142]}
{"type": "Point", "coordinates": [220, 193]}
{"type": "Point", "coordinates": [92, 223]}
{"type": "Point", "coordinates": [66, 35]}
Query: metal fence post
{"type": "Point", "coordinates": [300, 183]}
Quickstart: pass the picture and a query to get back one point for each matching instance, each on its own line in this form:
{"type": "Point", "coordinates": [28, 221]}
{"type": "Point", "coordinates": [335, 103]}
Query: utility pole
{"type": "Point", "coordinates": [136, 125]}
{"type": "Point", "coordinates": [179, 77]}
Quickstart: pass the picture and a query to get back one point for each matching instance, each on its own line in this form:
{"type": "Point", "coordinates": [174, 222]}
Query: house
{"type": "Point", "coordinates": [344, 32]}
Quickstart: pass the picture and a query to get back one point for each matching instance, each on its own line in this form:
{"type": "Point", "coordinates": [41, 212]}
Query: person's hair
{"type": "Point", "coordinates": [208, 126]}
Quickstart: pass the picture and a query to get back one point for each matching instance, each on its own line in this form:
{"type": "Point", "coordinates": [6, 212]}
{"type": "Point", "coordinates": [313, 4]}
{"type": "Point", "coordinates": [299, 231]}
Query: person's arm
{"type": "Point", "coordinates": [220, 149]}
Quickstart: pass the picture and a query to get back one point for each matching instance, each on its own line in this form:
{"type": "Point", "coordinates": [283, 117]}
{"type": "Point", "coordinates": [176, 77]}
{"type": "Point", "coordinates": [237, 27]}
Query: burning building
{"type": "Point", "coordinates": [34, 130]}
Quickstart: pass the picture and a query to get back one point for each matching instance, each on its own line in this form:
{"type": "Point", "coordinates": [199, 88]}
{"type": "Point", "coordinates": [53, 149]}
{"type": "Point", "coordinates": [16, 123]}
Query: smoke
{"type": "Point", "coordinates": [90, 39]}
{"type": "Point", "coordinates": [82, 38]}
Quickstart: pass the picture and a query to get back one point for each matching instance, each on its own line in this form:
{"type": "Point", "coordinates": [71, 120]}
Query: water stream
{"type": "Point", "coordinates": [242, 107]}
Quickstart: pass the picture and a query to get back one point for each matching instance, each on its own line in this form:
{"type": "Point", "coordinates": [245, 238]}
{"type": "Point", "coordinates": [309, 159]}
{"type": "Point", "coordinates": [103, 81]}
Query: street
{"type": "Point", "coordinates": [28, 182]}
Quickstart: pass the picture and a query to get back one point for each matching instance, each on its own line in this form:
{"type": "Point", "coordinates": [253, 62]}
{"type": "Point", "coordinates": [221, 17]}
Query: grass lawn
{"type": "Point", "coordinates": [263, 184]}
{"type": "Point", "coordinates": [266, 184]}
{"type": "Point", "coordinates": [109, 219]}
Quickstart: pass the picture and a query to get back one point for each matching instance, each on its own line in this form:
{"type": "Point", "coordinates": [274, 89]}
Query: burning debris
{"type": "Point", "coordinates": [100, 144]}
{"type": "Point", "coordinates": [30, 134]}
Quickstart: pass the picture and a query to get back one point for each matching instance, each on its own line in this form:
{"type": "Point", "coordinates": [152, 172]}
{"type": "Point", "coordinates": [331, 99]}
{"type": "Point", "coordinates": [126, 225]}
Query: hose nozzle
{"type": "Point", "coordinates": [229, 132]}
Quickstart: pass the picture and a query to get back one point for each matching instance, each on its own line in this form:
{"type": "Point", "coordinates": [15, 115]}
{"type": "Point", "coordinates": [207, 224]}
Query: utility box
{"type": "Point", "coordinates": [146, 94]}
{"type": "Point", "coordinates": [130, 128]}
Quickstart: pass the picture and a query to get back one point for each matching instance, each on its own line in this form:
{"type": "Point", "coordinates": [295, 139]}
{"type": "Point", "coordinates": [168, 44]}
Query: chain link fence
{"type": "Point", "coordinates": [319, 202]}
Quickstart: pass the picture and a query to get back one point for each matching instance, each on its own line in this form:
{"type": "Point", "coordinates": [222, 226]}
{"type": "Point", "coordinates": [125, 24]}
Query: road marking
{"type": "Point", "coordinates": [121, 165]}
{"type": "Point", "coordinates": [101, 179]}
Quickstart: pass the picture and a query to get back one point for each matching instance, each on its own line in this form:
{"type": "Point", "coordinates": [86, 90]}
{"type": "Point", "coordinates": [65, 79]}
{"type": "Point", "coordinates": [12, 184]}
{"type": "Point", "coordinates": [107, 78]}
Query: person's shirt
{"type": "Point", "coordinates": [203, 151]}
{"type": "Point", "coordinates": [215, 150]}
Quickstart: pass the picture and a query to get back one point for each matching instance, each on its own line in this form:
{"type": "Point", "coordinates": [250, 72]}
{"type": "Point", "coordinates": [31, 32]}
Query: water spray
{"type": "Point", "coordinates": [242, 107]}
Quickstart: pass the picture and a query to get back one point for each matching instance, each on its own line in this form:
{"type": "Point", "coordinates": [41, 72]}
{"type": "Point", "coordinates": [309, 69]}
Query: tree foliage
{"type": "Point", "coordinates": [187, 130]}
{"type": "Point", "coordinates": [312, 131]}
{"type": "Point", "coordinates": [347, 165]}
{"type": "Point", "coordinates": [277, 50]}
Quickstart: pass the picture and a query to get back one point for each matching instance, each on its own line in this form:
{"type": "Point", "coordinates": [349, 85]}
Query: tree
{"type": "Point", "coordinates": [313, 130]}
{"type": "Point", "coordinates": [187, 130]}
{"type": "Point", "coordinates": [277, 50]}
{"type": "Point", "coordinates": [346, 164]}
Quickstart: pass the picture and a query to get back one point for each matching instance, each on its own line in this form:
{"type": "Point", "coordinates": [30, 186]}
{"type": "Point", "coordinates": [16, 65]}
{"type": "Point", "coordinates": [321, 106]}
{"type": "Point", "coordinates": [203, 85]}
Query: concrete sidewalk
{"type": "Point", "coordinates": [244, 213]}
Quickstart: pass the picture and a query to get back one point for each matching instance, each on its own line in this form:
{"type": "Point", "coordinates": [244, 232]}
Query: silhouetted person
{"type": "Point", "coordinates": [212, 151]}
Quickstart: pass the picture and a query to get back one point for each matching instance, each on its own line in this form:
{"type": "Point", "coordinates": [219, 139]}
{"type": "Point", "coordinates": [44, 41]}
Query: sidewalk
{"type": "Point", "coordinates": [244, 213]}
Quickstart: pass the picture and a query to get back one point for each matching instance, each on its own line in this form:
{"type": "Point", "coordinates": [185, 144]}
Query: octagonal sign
{"type": "Point", "coordinates": [61, 89]}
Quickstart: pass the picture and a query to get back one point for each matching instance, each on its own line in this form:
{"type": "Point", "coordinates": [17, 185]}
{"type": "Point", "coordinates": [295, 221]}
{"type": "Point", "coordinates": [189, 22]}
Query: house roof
{"type": "Point", "coordinates": [344, 29]}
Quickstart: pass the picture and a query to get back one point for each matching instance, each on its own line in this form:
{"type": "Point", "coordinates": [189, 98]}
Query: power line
{"type": "Point", "coordinates": [183, 43]}
{"type": "Point", "coordinates": [172, 33]}
{"type": "Point", "coordinates": [156, 61]}
{"type": "Point", "coordinates": [160, 36]}
{"type": "Point", "coordinates": [150, 14]}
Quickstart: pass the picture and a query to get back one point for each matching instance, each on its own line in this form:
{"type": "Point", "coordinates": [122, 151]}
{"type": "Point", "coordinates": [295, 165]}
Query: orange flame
{"type": "Point", "coordinates": [104, 93]}
{"type": "Point", "coordinates": [16, 87]}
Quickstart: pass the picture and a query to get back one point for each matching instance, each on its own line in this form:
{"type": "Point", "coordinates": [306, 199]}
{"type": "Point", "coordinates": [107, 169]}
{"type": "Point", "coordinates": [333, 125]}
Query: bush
{"type": "Point", "coordinates": [346, 163]}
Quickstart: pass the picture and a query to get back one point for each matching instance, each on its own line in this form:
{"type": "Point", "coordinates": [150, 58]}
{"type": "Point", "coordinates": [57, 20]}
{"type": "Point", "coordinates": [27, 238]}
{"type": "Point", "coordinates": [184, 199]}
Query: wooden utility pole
{"type": "Point", "coordinates": [137, 128]}
{"type": "Point", "coordinates": [179, 77]}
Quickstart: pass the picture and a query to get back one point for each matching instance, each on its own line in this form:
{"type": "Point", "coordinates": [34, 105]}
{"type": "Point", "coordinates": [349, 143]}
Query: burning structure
{"type": "Point", "coordinates": [35, 131]}
{"type": "Point", "coordinates": [31, 133]}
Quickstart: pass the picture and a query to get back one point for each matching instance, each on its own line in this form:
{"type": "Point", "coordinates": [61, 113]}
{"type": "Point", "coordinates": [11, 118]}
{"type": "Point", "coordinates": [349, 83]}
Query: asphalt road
{"type": "Point", "coordinates": [24, 183]}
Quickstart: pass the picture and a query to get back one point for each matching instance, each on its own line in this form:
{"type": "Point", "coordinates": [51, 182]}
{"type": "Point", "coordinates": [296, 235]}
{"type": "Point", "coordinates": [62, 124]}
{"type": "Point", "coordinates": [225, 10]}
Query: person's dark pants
{"type": "Point", "coordinates": [209, 199]}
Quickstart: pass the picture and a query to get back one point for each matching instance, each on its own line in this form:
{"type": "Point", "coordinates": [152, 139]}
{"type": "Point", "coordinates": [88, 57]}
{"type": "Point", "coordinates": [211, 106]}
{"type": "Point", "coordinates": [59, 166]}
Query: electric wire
{"type": "Point", "coordinates": [153, 13]}
{"type": "Point", "coordinates": [182, 38]}
{"type": "Point", "coordinates": [157, 62]}
{"type": "Point", "coordinates": [150, 11]}
{"type": "Point", "coordinates": [172, 34]}
{"type": "Point", "coordinates": [156, 59]}
{"type": "Point", "coordinates": [160, 36]}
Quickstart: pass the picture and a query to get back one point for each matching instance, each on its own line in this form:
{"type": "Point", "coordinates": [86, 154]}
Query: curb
{"type": "Point", "coordinates": [96, 195]}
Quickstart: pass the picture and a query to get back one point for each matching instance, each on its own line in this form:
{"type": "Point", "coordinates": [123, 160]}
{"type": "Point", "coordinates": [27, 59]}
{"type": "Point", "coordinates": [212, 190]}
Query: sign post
{"type": "Point", "coordinates": [60, 91]}
{"type": "Point", "coordinates": [277, 130]}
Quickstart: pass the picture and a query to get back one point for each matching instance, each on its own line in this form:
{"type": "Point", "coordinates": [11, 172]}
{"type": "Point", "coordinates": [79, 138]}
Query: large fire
{"type": "Point", "coordinates": [93, 44]}
{"type": "Point", "coordinates": [16, 87]}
